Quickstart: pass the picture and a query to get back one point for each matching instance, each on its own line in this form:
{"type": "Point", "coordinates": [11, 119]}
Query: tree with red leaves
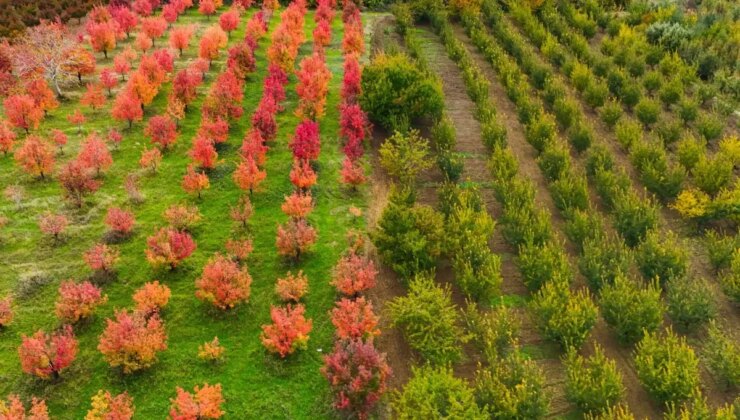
{"type": "Point", "coordinates": [22, 112]}
{"type": "Point", "coordinates": [229, 20]}
{"type": "Point", "coordinates": [263, 118]}
{"type": "Point", "coordinates": [241, 60]}
{"type": "Point", "coordinates": [47, 355]}
{"type": "Point", "coordinates": [53, 224]}
{"type": "Point", "coordinates": [7, 137]}
{"type": "Point", "coordinates": [108, 80]}
{"type": "Point", "coordinates": [122, 65]}
{"type": "Point", "coordinates": [81, 63]}
{"type": "Point", "coordinates": [352, 173]}
{"type": "Point", "coordinates": [355, 319]}
{"type": "Point", "coordinates": [182, 217]}
{"type": "Point", "coordinates": [94, 154]}
{"type": "Point", "coordinates": [143, 43]}
{"type": "Point", "coordinates": [154, 27]}
{"type": "Point", "coordinates": [101, 258]}
{"type": "Point", "coordinates": [223, 283]}
{"type": "Point", "coordinates": [185, 85]}
{"type": "Point", "coordinates": [35, 156]}
{"type": "Point", "coordinates": [142, 88]}
{"type": "Point", "coordinates": [151, 298]}
{"type": "Point", "coordinates": [295, 238]}
{"type": "Point", "coordinates": [302, 175]}
{"type": "Point", "coordinates": [169, 247]}
{"type": "Point", "coordinates": [162, 131]}
{"type": "Point", "coordinates": [132, 341]}
{"type": "Point", "coordinates": [213, 39]}
{"type": "Point", "coordinates": [58, 137]}
{"type": "Point", "coordinates": [353, 126]}
{"type": "Point", "coordinates": [254, 145]}
{"type": "Point", "coordinates": [142, 7]}
{"type": "Point", "coordinates": [351, 83]}
{"type": "Point", "coordinates": [313, 86]}
{"type": "Point", "coordinates": [77, 118]}
{"type": "Point", "coordinates": [322, 34]}
{"type": "Point", "coordinates": [93, 96]}
{"type": "Point", "coordinates": [224, 100]}
{"type": "Point", "coordinates": [357, 374]}
{"type": "Point", "coordinates": [195, 182]}
{"type": "Point", "coordinates": [306, 144]}
{"type": "Point", "coordinates": [115, 138]}
{"type": "Point", "coordinates": [354, 274]}
{"type": "Point", "coordinates": [274, 85]}
{"type": "Point", "coordinates": [13, 409]}
{"type": "Point", "coordinates": [248, 175]}
{"type": "Point", "coordinates": [127, 108]}
{"type": "Point", "coordinates": [239, 249]}
{"type": "Point", "coordinates": [170, 13]}
{"type": "Point", "coordinates": [126, 19]}
{"type": "Point", "coordinates": [77, 181]}
{"type": "Point", "coordinates": [150, 158]}
{"type": "Point", "coordinates": [288, 331]}
{"type": "Point", "coordinates": [292, 288]}
{"type": "Point", "coordinates": [216, 130]}
{"type": "Point", "coordinates": [107, 407]}
{"type": "Point", "coordinates": [78, 301]}
{"type": "Point", "coordinates": [102, 36]}
{"type": "Point", "coordinates": [42, 95]}
{"type": "Point", "coordinates": [353, 43]}
{"type": "Point", "coordinates": [204, 153]}
{"type": "Point", "coordinates": [207, 8]}
{"type": "Point", "coordinates": [204, 403]}
{"type": "Point", "coordinates": [200, 65]}
{"type": "Point", "coordinates": [180, 38]}
{"type": "Point", "coordinates": [6, 312]}
{"type": "Point", "coordinates": [242, 211]}
{"type": "Point", "coordinates": [121, 222]}
{"type": "Point", "coordinates": [298, 205]}
{"type": "Point", "coordinates": [165, 59]}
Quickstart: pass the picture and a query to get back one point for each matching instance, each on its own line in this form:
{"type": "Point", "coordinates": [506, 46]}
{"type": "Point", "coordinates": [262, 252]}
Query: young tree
{"type": "Point", "coordinates": [185, 84]}
{"type": "Point", "coordinates": [151, 298]}
{"type": "Point", "coordinates": [302, 175]}
{"type": "Point", "coordinates": [143, 43]}
{"type": "Point", "coordinates": [59, 138]}
{"type": "Point", "coordinates": [6, 312]}
{"type": "Point", "coordinates": [102, 36]}
{"type": "Point", "coordinates": [36, 157]}
{"type": "Point", "coordinates": [169, 247]}
{"type": "Point", "coordinates": [294, 238]}
{"type": "Point", "coordinates": [306, 144]}
{"type": "Point", "coordinates": [239, 249]}
{"type": "Point", "coordinates": [162, 131]}
{"type": "Point", "coordinates": [77, 181]}
{"type": "Point", "coordinates": [355, 319]}
{"type": "Point", "coordinates": [204, 403]}
{"type": "Point", "coordinates": [14, 409]}
{"type": "Point", "coordinates": [666, 366]}
{"type": "Point", "coordinates": [254, 145]}
{"type": "Point", "coordinates": [121, 222]}
{"type": "Point", "coordinates": [170, 13]}
{"type": "Point", "coordinates": [215, 130]}
{"type": "Point", "coordinates": [207, 8]}
{"type": "Point", "coordinates": [298, 205]}
{"type": "Point", "coordinates": [82, 62]}
{"type": "Point", "coordinates": [7, 137]}
{"type": "Point", "coordinates": [101, 258]}
{"type": "Point", "coordinates": [108, 80]}
{"type": "Point", "coordinates": [53, 224]}
{"type": "Point", "coordinates": [94, 154]}
{"type": "Point", "coordinates": [223, 283]}
{"type": "Point", "coordinates": [248, 175]}
{"type": "Point", "coordinates": [105, 406]}
{"type": "Point", "coordinates": [263, 118]}
{"type": "Point", "coordinates": [180, 38]}
{"type": "Point", "coordinates": [132, 341]}
{"type": "Point", "coordinates": [94, 96]}
{"type": "Point", "coordinates": [195, 182]}
{"type": "Point", "coordinates": [121, 65]}
{"type": "Point", "coordinates": [150, 158]}
{"type": "Point", "coordinates": [142, 7]}
{"type": "Point", "coordinates": [213, 39]}
{"type": "Point", "coordinates": [594, 383]}
{"type": "Point", "coordinates": [352, 173]}
{"type": "Point", "coordinates": [125, 17]}
{"type": "Point", "coordinates": [127, 107]}
{"type": "Point", "coordinates": [313, 86]}
{"type": "Point", "coordinates": [211, 351]}
{"type": "Point", "coordinates": [229, 20]}
{"type": "Point", "coordinates": [78, 301]}
{"type": "Point", "coordinates": [292, 288]}
{"type": "Point", "coordinates": [242, 211]}
{"type": "Point", "coordinates": [288, 331]}
{"type": "Point", "coordinates": [153, 27]}
{"type": "Point", "coordinates": [204, 152]}
{"type": "Point", "coordinates": [47, 355]}
{"type": "Point", "coordinates": [182, 217]}
{"type": "Point", "coordinates": [22, 112]}
{"type": "Point", "coordinates": [354, 274]}
{"type": "Point", "coordinates": [42, 95]}
{"type": "Point", "coordinates": [405, 156]}
{"type": "Point", "coordinates": [77, 118]}
{"type": "Point", "coordinates": [241, 60]}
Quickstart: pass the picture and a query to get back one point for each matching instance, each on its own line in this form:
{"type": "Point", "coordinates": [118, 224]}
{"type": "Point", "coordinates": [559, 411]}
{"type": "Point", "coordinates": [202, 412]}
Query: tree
{"type": "Point", "coordinates": [263, 118]}
{"type": "Point", "coordinates": [322, 34]}
{"type": "Point", "coordinates": [170, 13]}
{"type": "Point", "coordinates": [630, 310]}
{"type": "Point", "coordinates": [108, 80]}
{"type": "Point", "coordinates": [223, 283]}
{"type": "Point", "coordinates": [169, 247]}
{"type": "Point", "coordinates": [78, 119]}
{"type": "Point", "coordinates": [292, 287]}
{"type": "Point", "coordinates": [357, 374]}
{"type": "Point", "coordinates": [204, 403]}
{"type": "Point", "coordinates": [7, 137]}
{"type": "Point", "coordinates": [302, 175]}
{"type": "Point", "coordinates": [723, 356]}
{"type": "Point", "coordinates": [78, 301]}
{"type": "Point", "coordinates": [254, 145]}
{"type": "Point", "coordinates": [153, 27]}
{"type": "Point", "coordinates": [142, 7]}
{"type": "Point", "coordinates": [215, 130]}
{"type": "Point", "coordinates": [225, 97]}
{"type": "Point", "coordinates": [241, 60]}
{"type": "Point", "coordinates": [564, 316]}
{"type": "Point", "coordinates": [151, 298]}
{"type": "Point", "coordinates": [239, 249]}
{"type": "Point", "coordinates": [211, 42]}
{"type": "Point", "coordinates": [405, 156]}
{"type": "Point", "coordinates": [242, 211]}
{"type": "Point", "coordinates": [180, 38]}
{"type": "Point", "coordinates": [93, 96]}
{"type": "Point", "coordinates": [47, 355]}
{"type": "Point", "coordinates": [211, 351]}
{"type": "Point", "coordinates": [185, 84]}
{"type": "Point", "coordinates": [35, 156]}
{"type": "Point", "coordinates": [182, 217]}
{"type": "Point", "coordinates": [132, 341]}
{"type": "Point", "coordinates": [42, 95]}
{"type": "Point", "coordinates": [352, 173]}
{"type": "Point", "coordinates": [102, 36]}
{"type": "Point", "coordinates": [94, 154]}
{"type": "Point", "coordinates": [313, 85]}
{"type": "Point", "coordinates": [126, 19]}
{"type": "Point", "coordinates": [6, 312]}
{"type": "Point", "coordinates": [204, 152]}
{"type": "Point", "coordinates": [150, 158]}
{"type": "Point", "coordinates": [127, 108]}
{"type": "Point", "coordinates": [229, 20]}
{"type": "Point", "coordinates": [354, 274]}
{"type": "Point", "coordinates": [666, 366]}
{"type": "Point", "coordinates": [101, 258]}
{"type": "Point", "coordinates": [14, 409]}
{"type": "Point", "coordinates": [592, 383]}
{"type": "Point", "coordinates": [105, 406]}
{"type": "Point", "coordinates": [298, 205]}
{"type": "Point", "coordinates": [288, 331]}
{"type": "Point", "coordinates": [53, 224]}
{"type": "Point", "coordinates": [162, 131]}
{"type": "Point", "coordinates": [351, 83]}
{"type": "Point", "coordinates": [248, 175]}
{"type": "Point", "coordinates": [82, 62]}
{"type": "Point", "coordinates": [436, 393]}
{"type": "Point", "coordinates": [121, 222]}
{"type": "Point", "coordinates": [77, 181]}
{"type": "Point", "coordinates": [121, 65]}
{"type": "Point", "coordinates": [306, 144]}
{"type": "Point", "coordinates": [22, 112]}
{"type": "Point", "coordinates": [207, 8]}
{"type": "Point", "coordinates": [143, 42]}
{"type": "Point", "coordinates": [294, 238]}
{"type": "Point", "coordinates": [355, 319]}
{"type": "Point", "coordinates": [142, 87]}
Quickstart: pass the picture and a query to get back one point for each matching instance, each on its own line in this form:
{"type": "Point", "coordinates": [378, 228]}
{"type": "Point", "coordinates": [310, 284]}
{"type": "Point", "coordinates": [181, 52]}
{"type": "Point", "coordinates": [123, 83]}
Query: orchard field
{"type": "Point", "coordinates": [479, 209]}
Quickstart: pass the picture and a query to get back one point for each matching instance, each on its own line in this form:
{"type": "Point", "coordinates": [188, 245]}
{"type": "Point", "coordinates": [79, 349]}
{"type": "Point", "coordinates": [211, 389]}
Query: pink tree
{"type": "Point", "coordinates": [47, 355]}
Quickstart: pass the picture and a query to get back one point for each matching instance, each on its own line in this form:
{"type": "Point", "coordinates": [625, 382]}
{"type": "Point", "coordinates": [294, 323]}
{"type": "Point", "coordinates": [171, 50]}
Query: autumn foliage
{"type": "Point", "coordinates": [169, 247]}
{"type": "Point", "coordinates": [248, 176]}
{"type": "Point", "coordinates": [127, 107]}
{"type": "Point", "coordinates": [223, 283]}
{"type": "Point", "coordinates": [292, 287]}
{"type": "Point", "coordinates": [131, 341]}
{"type": "Point", "coordinates": [13, 409]}
{"type": "Point", "coordinates": [306, 144]}
{"type": "Point", "coordinates": [313, 86]}
{"type": "Point", "coordinates": [105, 406]}
{"type": "Point", "coordinates": [295, 238]}
{"type": "Point", "coordinates": [204, 403]}
{"type": "Point", "coordinates": [288, 331]}
{"type": "Point", "coordinates": [101, 258]}
{"type": "Point", "coordinates": [355, 319]}
{"type": "Point", "coordinates": [6, 311]}
{"type": "Point", "coordinates": [94, 154]}
{"type": "Point", "coordinates": [297, 205]}
{"type": "Point", "coordinates": [162, 131]}
{"type": "Point", "coordinates": [302, 175]}
{"type": "Point", "coordinates": [151, 298]}
{"type": "Point", "coordinates": [120, 221]}
{"type": "Point", "coordinates": [35, 156]}
{"type": "Point", "coordinates": [22, 112]}
{"type": "Point", "coordinates": [47, 355]}
{"type": "Point", "coordinates": [354, 274]}
{"type": "Point", "coordinates": [77, 181]}
{"type": "Point", "coordinates": [195, 182]}
{"type": "Point", "coordinates": [53, 224]}
{"type": "Point", "coordinates": [78, 301]}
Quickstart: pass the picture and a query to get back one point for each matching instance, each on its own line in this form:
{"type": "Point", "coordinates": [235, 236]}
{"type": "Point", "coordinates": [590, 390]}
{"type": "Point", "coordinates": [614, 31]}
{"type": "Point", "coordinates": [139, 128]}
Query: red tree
{"type": "Point", "coordinates": [357, 374]}
{"type": "Point", "coordinates": [127, 108]}
{"type": "Point", "coordinates": [165, 59]}
{"type": "Point", "coordinates": [352, 173]}
{"type": "Point", "coordinates": [153, 27]}
{"type": "Point", "coordinates": [78, 301]}
{"type": "Point", "coordinates": [351, 87]}
{"type": "Point", "coordinates": [263, 118]}
{"type": "Point", "coordinates": [204, 152]}
{"type": "Point", "coordinates": [77, 118]}
{"type": "Point", "coordinates": [242, 211]}
{"type": "Point", "coordinates": [122, 65]}
{"type": "Point", "coordinates": [225, 98]}
{"type": "Point", "coordinates": [102, 36]}
{"type": "Point", "coordinates": [93, 96]}
{"type": "Point", "coordinates": [45, 355]}
{"type": "Point", "coordinates": [239, 249]}
{"type": "Point", "coordinates": [162, 131]}
{"type": "Point", "coordinates": [204, 403]}
{"type": "Point", "coordinates": [14, 409]}
{"type": "Point", "coordinates": [354, 274]}
{"type": "Point", "coordinates": [216, 130]}
{"type": "Point", "coordinates": [223, 283]}
{"type": "Point", "coordinates": [241, 60]}
{"type": "Point", "coordinates": [288, 331]}
{"type": "Point", "coordinates": [59, 138]}
{"type": "Point", "coordinates": [313, 86]}
{"type": "Point", "coordinates": [248, 175]}
{"type": "Point", "coordinates": [108, 80]}
{"type": "Point", "coordinates": [35, 156]}
{"type": "Point", "coordinates": [207, 8]}
{"type": "Point", "coordinates": [170, 13]}
{"type": "Point", "coordinates": [81, 63]}
{"type": "Point", "coordinates": [180, 38]}
{"type": "Point", "coordinates": [229, 20]}
{"type": "Point", "coordinates": [151, 298]}
{"type": "Point", "coordinates": [254, 145]}
{"type": "Point", "coordinates": [295, 238]}
{"type": "Point", "coordinates": [292, 288]}
{"type": "Point", "coordinates": [297, 205]}
{"type": "Point", "coordinates": [42, 95]}
{"type": "Point", "coordinates": [301, 175]}
{"type": "Point", "coordinates": [6, 311]}
{"type": "Point", "coordinates": [195, 182]}
{"type": "Point", "coordinates": [306, 144]}
{"type": "Point", "coordinates": [274, 85]}
{"type": "Point", "coordinates": [101, 258]}
{"type": "Point", "coordinates": [355, 319]}
{"type": "Point", "coordinates": [22, 112]}
{"type": "Point", "coordinates": [53, 224]}
{"type": "Point", "coordinates": [169, 247]}
{"type": "Point", "coordinates": [213, 39]}
{"type": "Point", "coordinates": [142, 7]}
{"type": "Point", "coordinates": [143, 42]}
{"type": "Point", "coordinates": [94, 154]}
{"type": "Point", "coordinates": [107, 407]}
{"type": "Point", "coordinates": [185, 84]}
{"type": "Point", "coordinates": [126, 19]}
{"type": "Point", "coordinates": [77, 181]}
{"type": "Point", "coordinates": [120, 222]}
{"type": "Point", "coordinates": [322, 34]}
{"type": "Point", "coordinates": [7, 137]}
{"type": "Point", "coordinates": [132, 341]}
{"type": "Point", "coordinates": [150, 158]}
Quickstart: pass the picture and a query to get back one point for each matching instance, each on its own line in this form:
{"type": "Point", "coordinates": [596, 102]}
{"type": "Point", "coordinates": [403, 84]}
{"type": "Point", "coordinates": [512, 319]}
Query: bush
{"type": "Point", "coordinates": [663, 257]}
{"type": "Point", "coordinates": [652, 81]}
{"type": "Point", "coordinates": [628, 133]}
{"type": "Point", "coordinates": [723, 356]}
{"type": "Point", "coordinates": [541, 132]}
{"type": "Point", "coordinates": [615, 412]}
{"type": "Point", "coordinates": [721, 248]}
{"type": "Point", "coordinates": [395, 92]}
{"type": "Point", "coordinates": [540, 264]}
{"type": "Point", "coordinates": [647, 111]}
{"type": "Point", "coordinates": [633, 217]}
{"type": "Point", "coordinates": [570, 193]}
{"type": "Point", "coordinates": [564, 316]}
{"type": "Point", "coordinates": [671, 92]}
{"type": "Point", "coordinates": [581, 77]}
{"type": "Point", "coordinates": [712, 174]}
{"type": "Point", "coordinates": [709, 126]}
{"type": "Point", "coordinates": [525, 224]}
{"type": "Point", "coordinates": [666, 366]}
{"type": "Point", "coordinates": [580, 136]}
{"type": "Point", "coordinates": [668, 131]}
{"type": "Point", "coordinates": [429, 320]}
{"type": "Point", "coordinates": [435, 393]}
{"type": "Point", "coordinates": [730, 281]}
{"type": "Point", "coordinates": [512, 387]}
{"type": "Point", "coordinates": [503, 165]}
{"type": "Point", "coordinates": [690, 303]}
{"type": "Point", "coordinates": [495, 331]}
{"type": "Point", "coordinates": [688, 110]}
{"type": "Point", "coordinates": [611, 113]}
{"type": "Point", "coordinates": [690, 151]}
{"type": "Point", "coordinates": [493, 133]}
{"type": "Point", "coordinates": [631, 95]}
{"type": "Point", "coordinates": [593, 384]}
{"type": "Point", "coordinates": [603, 259]}
{"type": "Point", "coordinates": [554, 162]}
{"type": "Point", "coordinates": [595, 94]}
{"type": "Point", "coordinates": [566, 111]}
{"type": "Point", "coordinates": [631, 310]}
{"type": "Point", "coordinates": [583, 225]}
{"type": "Point", "coordinates": [405, 156]}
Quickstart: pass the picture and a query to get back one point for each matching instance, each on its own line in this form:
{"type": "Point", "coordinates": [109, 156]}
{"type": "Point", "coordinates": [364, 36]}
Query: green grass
{"type": "Point", "coordinates": [255, 384]}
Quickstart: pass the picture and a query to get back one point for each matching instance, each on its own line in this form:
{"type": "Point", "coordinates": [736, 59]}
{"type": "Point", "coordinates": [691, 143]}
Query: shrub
{"type": "Point", "coordinates": [494, 331]}
{"type": "Point", "coordinates": [405, 156]}
{"type": "Point", "coordinates": [580, 76]}
{"type": "Point", "coordinates": [512, 387]}
{"type": "Point", "coordinates": [595, 94]}
{"type": "Point", "coordinates": [570, 193]}
{"type": "Point", "coordinates": [628, 133]}
{"type": "Point", "coordinates": [593, 384]}
{"type": "Point", "coordinates": [288, 331]}
{"type": "Point", "coordinates": [47, 355]}
{"type": "Point", "coordinates": [730, 281]}
{"type": "Point", "coordinates": [611, 113]}
{"type": "Point", "coordinates": [667, 366]}
{"type": "Point", "coordinates": [582, 225]}
{"type": "Point", "coordinates": [709, 126]}
{"type": "Point", "coordinates": [581, 136]}
{"type": "Point", "coordinates": [671, 92]}
{"type": "Point", "coordinates": [105, 406]}
{"type": "Point", "coordinates": [429, 321]}
{"type": "Point", "coordinates": [690, 151]}
{"type": "Point", "coordinates": [630, 95]}
{"type": "Point", "coordinates": [554, 161]}
{"type": "Point", "coordinates": [631, 310]}
{"type": "Point", "coordinates": [14, 409]}
{"type": "Point", "coordinates": [603, 259]}
{"type": "Point", "coordinates": [669, 131]}
{"type": "Point", "coordinates": [633, 218]}
{"type": "Point", "coordinates": [132, 341]}
{"type": "Point", "coordinates": [688, 110]}
{"type": "Point", "coordinates": [712, 174]}
{"type": "Point", "coordinates": [211, 351]}
{"type": "Point", "coordinates": [357, 374]}
{"type": "Point", "coordinates": [540, 264]}
{"type": "Point", "coordinates": [355, 319]}
{"type": "Point", "coordinates": [182, 217]}
{"type": "Point", "coordinates": [435, 393]}
{"type": "Point", "coordinates": [101, 258]}
{"type": "Point", "coordinates": [120, 221]}
{"type": "Point", "coordinates": [664, 258]}
{"type": "Point", "coordinates": [647, 111]}
{"type": "Point", "coordinates": [564, 316]}
{"type": "Point", "coordinates": [151, 298]}
{"type": "Point", "coordinates": [541, 132]}
{"type": "Point", "coordinates": [652, 81]}
{"type": "Point", "coordinates": [723, 356]}
{"type": "Point", "coordinates": [6, 312]}
{"type": "Point", "coordinates": [566, 111]}
{"type": "Point", "coordinates": [78, 300]}
{"type": "Point", "coordinates": [292, 288]}
{"type": "Point", "coordinates": [204, 403]}
{"type": "Point", "coordinates": [493, 133]}
{"type": "Point", "coordinates": [224, 284]}
{"type": "Point", "coordinates": [690, 303]}
{"type": "Point", "coordinates": [390, 77]}
{"type": "Point", "coordinates": [169, 247]}
{"type": "Point", "coordinates": [295, 238]}
{"type": "Point", "coordinates": [721, 248]}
